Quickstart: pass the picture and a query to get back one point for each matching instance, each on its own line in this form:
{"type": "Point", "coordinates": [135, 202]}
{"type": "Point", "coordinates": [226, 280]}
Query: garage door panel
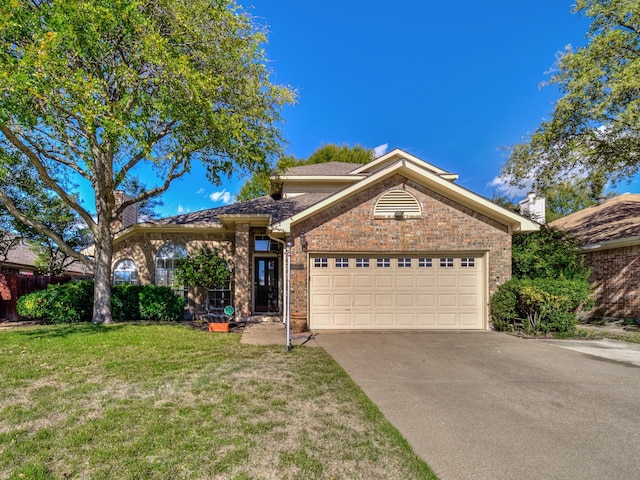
{"type": "Point", "coordinates": [342, 300]}
{"type": "Point", "coordinates": [426, 281]}
{"type": "Point", "coordinates": [321, 300]}
{"type": "Point", "coordinates": [404, 281]}
{"type": "Point", "coordinates": [384, 300]}
{"type": "Point", "coordinates": [342, 319]}
{"type": "Point", "coordinates": [384, 319]}
{"type": "Point", "coordinates": [361, 281]}
{"type": "Point", "coordinates": [406, 319]}
{"type": "Point", "coordinates": [405, 300]}
{"type": "Point", "coordinates": [321, 281]}
{"type": "Point", "coordinates": [342, 281]}
{"type": "Point", "coordinates": [468, 300]}
{"type": "Point", "coordinates": [450, 300]}
{"type": "Point", "coordinates": [384, 281]}
{"type": "Point", "coordinates": [363, 320]}
{"type": "Point", "coordinates": [426, 300]}
{"type": "Point", "coordinates": [447, 319]}
{"type": "Point", "coordinates": [361, 300]}
{"type": "Point", "coordinates": [445, 281]}
{"type": "Point", "coordinates": [407, 294]}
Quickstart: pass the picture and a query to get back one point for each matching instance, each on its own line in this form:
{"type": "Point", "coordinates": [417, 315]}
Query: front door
{"type": "Point", "coordinates": [265, 285]}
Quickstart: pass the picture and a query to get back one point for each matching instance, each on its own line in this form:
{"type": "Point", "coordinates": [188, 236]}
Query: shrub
{"type": "Point", "coordinates": [59, 303]}
{"type": "Point", "coordinates": [125, 302]}
{"type": "Point", "coordinates": [73, 302]}
{"type": "Point", "coordinates": [539, 306]}
{"type": "Point", "coordinates": [160, 303]}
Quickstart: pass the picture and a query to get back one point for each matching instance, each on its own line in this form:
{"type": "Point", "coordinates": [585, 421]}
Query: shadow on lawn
{"type": "Point", "coordinates": [59, 331]}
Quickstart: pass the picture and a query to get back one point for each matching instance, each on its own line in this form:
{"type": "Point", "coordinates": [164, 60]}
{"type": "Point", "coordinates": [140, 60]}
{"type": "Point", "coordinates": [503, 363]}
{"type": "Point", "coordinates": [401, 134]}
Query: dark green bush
{"type": "Point", "coordinates": [161, 304]}
{"type": "Point", "coordinates": [59, 303]}
{"type": "Point", "coordinates": [540, 305]}
{"type": "Point", "coordinates": [125, 302]}
{"type": "Point", "coordinates": [73, 302]}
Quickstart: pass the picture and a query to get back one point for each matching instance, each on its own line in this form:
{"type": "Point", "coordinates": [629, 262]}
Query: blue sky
{"type": "Point", "coordinates": [451, 83]}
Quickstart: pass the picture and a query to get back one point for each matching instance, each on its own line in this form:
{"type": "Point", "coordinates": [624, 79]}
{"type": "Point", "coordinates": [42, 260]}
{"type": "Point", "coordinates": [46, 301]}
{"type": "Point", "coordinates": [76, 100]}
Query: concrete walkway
{"type": "Point", "coordinates": [274, 333]}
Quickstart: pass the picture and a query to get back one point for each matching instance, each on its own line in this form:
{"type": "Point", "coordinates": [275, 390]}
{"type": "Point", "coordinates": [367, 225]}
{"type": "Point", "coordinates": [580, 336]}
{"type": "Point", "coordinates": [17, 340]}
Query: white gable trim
{"type": "Point", "coordinates": [397, 154]}
{"type": "Point", "coordinates": [433, 181]}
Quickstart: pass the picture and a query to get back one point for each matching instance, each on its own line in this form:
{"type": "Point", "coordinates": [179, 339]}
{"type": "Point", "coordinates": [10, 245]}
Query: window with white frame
{"type": "Point", "coordinates": [320, 262]}
{"type": "Point", "coordinates": [468, 262]}
{"type": "Point", "coordinates": [166, 261]}
{"type": "Point", "coordinates": [362, 263]}
{"type": "Point", "coordinates": [125, 272]}
{"type": "Point", "coordinates": [383, 262]}
{"type": "Point", "coordinates": [342, 263]}
{"type": "Point", "coordinates": [446, 262]}
{"type": "Point", "coordinates": [404, 263]}
{"type": "Point", "coordinates": [425, 262]}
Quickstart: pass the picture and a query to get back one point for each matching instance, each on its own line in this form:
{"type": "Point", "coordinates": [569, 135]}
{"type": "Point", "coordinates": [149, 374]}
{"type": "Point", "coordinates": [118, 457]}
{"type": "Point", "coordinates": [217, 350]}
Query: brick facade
{"type": "Point", "coordinates": [445, 226]}
{"type": "Point", "coordinates": [350, 226]}
{"type": "Point", "coordinates": [615, 278]}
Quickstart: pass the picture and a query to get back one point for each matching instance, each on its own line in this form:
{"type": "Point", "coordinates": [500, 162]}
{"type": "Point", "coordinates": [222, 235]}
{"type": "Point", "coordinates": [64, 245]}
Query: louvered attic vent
{"type": "Point", "coordinates": [395, 201]}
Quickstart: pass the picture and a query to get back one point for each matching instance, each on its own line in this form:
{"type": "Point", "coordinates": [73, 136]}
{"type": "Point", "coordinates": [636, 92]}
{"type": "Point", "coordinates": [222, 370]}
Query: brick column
{"type": "Point", "coordinates": [242, 272]}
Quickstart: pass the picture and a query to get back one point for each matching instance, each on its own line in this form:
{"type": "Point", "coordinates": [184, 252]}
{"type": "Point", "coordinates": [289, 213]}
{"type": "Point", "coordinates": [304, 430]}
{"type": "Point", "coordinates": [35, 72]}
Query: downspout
{"type": "Point", "coordinates": [286, 267]}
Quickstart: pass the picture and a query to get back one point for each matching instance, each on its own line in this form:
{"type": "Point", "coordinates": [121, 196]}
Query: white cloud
{"type": "Point", "coordinates": [502, 185]}
{"type": "Point", "coordinates": [180, 208]}
{"type": "Point", "coordinates": [221, 196]}
{"type": "Point", "coordinates": [380, 150]}
{"type": "Point", "coordinates": [200, 192]}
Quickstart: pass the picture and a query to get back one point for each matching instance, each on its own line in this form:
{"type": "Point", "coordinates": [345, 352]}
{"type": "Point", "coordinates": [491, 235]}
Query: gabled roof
{"type": "Point", "coordinates": [615, 223]}
{"type": "Point", "coordinates": [279, 214]}
{"type": "Point", "coordinates": [434, 180]}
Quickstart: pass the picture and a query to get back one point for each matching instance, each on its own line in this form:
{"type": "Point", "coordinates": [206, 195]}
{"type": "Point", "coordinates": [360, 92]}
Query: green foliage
{"type": "Point", "coordinates": [73, 302]}
{"type": "Point", "coordinates": [595, 127]}
{"type": "Point", "coordinates": [540, 305]}
{"type": "Point", "coordinates": [205, 269]}
{"type": "Point", "coordinates": [59, 303]}
{"type": "Point", "coordinates": [103, 89]}
{"type": "Point", "coordinates": [160, 304]}
{"type": "Point", "coordinates": [547, 253]}
{"type": "Point", "coordinates": [125, 302]}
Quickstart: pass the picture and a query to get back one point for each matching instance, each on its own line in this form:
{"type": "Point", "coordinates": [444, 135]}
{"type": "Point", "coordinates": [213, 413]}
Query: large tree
{"type": "Point", "coordinates": [259, 183]}
{"type": "Point", "coordinates": [594, 132]}
{"type": "Point", "coordinates": [105, 90]}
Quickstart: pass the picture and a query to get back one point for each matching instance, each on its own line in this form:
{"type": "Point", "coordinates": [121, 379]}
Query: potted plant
{"type": "Point", "coordinates": [208, 270]}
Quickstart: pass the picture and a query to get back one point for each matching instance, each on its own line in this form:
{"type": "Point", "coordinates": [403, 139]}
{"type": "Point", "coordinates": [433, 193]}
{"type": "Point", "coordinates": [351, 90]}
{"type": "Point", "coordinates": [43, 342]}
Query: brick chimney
{"type": "Point", "coordinates": [129, 216]}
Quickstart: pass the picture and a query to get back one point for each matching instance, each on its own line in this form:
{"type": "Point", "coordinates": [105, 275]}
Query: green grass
{"type": "Point", "coordinates": [632, 337]}
{"type": "Point", "coordinates": [166, 401]}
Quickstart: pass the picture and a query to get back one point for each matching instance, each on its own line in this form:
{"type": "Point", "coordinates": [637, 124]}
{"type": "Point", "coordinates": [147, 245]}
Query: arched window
{"type": "Point", "coordinates": [125, 273]}
{"type": "Point", "coordinates": [394, 202]}
{"type": "Point", "coordinates": [166, 264]}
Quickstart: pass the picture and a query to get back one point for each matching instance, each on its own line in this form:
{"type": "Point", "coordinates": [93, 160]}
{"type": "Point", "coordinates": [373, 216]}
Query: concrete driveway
{"type": "Point", "coordinates": [485, 405]}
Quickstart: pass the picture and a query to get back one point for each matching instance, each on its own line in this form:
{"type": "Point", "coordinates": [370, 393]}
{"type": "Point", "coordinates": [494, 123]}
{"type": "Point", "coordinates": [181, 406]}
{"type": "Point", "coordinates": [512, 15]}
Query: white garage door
{"type": "Point", "coordinates": [396, 292]}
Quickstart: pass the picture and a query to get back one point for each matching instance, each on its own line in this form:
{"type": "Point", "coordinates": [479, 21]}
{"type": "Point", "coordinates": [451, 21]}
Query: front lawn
{"type": "Point", "coordinates": [167, 401]}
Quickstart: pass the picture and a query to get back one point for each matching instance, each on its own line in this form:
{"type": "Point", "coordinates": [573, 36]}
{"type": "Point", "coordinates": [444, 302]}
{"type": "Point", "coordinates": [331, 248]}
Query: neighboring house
{"type": "Point", "coordinates": [393, 244]}
{"type": "Point", "coordinates": [22, 259]}
{"type": "Point", "coordinates": [610, 235]}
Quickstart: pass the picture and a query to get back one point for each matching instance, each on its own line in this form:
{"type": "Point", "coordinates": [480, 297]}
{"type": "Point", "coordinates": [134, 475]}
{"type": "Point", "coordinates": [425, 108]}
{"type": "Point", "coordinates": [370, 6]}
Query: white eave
{"type": "Point", "coordinates": [610, 244]}
{"type": "Point", "coordinates": [433, 180]}
{"type": "Point", "coordinates": [397, 154]}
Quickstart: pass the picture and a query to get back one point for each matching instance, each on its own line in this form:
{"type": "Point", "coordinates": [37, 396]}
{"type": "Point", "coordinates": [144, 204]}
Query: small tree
{"type": "Point", "coordinates": [206, 269]}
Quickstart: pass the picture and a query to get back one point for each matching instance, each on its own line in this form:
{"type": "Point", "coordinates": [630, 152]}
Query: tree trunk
{"type": "Point", "coordinates": [102, 275]}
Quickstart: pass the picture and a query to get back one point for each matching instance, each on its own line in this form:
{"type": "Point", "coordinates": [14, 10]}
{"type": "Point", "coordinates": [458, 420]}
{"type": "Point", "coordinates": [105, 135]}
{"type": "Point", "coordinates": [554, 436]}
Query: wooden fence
{"type": "Point", "coordinates": [14, 285]}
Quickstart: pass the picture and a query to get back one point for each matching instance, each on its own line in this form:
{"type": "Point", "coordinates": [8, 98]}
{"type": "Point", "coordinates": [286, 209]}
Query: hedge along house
{"type": "Point", "coordinates": [392, 244]}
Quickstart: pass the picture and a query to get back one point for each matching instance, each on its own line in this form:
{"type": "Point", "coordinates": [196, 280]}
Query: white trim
{"type": "Point", "coordinates": [611, 244]}
{"type": "Point", "coordinates": [515, 222]}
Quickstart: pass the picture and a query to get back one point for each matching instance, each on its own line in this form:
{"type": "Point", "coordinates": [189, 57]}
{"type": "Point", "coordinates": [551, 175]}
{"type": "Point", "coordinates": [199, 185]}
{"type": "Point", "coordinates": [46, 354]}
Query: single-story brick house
{"type": "Point", "coordinates": [610, 236]}
{"type": "Point", "coordinates": [392, 244]}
